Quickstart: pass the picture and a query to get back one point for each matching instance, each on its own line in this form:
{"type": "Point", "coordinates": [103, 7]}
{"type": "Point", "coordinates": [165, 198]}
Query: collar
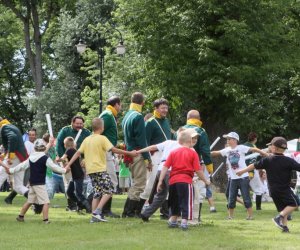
{"type": "Point", "coordinates": [136, 107]}
{"type": "Point", "coordinates": [195, 122]}
{"type": "Point", "coordinates": [4, 122]}
{"type": "Point", "coordinates": [156, 114]}
{"type": "Point", "coordinates": [112, 109]}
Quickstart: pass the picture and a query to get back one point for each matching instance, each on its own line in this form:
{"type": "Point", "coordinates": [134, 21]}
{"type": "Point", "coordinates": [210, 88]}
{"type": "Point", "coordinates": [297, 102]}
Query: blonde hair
{"type": "Point", "coordinates": [184, 137]}
{"type": "Point", "coordinates": [69, 142]}
{"type": "Point", "coordinates": [97, 124]}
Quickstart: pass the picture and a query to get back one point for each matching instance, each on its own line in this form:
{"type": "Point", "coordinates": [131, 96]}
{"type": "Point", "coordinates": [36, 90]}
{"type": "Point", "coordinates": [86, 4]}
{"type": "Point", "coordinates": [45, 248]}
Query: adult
{"type": "Point", "coordinates": [72, 130]}
{"type": "Point", "coordinates": [29, 148]}
{"type": "Point", "coordinates": [202, 148]}
{"type": "Point", "coordinates": [158, 130]}
{"type": "Point", "coordinates": [15, 153]}
{"type": "Point", "coordinates": [134, 131]}
{"type": "Point", "coordinates": [109, 116]}
{"type": "Point", "coordinates": [255, 182]}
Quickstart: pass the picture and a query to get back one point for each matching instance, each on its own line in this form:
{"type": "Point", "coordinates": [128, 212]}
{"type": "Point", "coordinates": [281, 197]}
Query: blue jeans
{"type": "Point", "coordinates": [75, 190]}
{"type": "Point", "coordinates": [243, 185]}
{"type": "Point", "coordinates": [59, 186]}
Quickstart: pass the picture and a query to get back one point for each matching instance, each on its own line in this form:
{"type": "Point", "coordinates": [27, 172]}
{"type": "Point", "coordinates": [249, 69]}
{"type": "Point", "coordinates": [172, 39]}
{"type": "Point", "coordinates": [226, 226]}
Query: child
{"type": "Point", "coordinates": [236, 160]}
{"type": "Point", "coordinates": [75, 187]}
{"type": "Point", "coordinates": [279, 169]}
{"type": "Point", "coordinates": [94, 148]}
{"type": "Point", "coordinates": [124, 175]}
{"type": "Point", "coordinates": [38, 163]}
{"type": "Point", "coordinates": [184, 162]}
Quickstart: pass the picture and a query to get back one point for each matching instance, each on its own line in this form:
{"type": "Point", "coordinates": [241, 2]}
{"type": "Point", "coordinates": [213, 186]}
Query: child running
{"type": "Point", "coordinates": [94, 148]}
{"type": "Point", "coordinates": [279, 169]}
{"type": "Point", "coordinates": [38, 162]}
{"type": "Point", "coordinates": [236, 161]}
{"type": "Point", "coordinates": [184, 162]}
{"type": "Point", "coordinates": [75, 187]}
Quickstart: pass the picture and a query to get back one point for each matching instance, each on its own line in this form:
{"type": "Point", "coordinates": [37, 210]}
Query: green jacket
{"type": "Point", "coordinates": [154, 134]}
{"type": "Point", "coordinates": [134, 131]}
{"type": "Point", "coordinates": [110, 126]}
{"type": "Point", "coordinates": [69, 131]}
{"type": "Point", "coordinates": [13, 142]}
{"type": "Point", "coordinates": [202, 146]}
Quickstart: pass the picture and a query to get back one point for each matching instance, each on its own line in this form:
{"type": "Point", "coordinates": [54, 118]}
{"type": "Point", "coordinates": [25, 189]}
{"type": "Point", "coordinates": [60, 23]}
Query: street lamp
{"type": "Point", "coordinates": [120, 49]}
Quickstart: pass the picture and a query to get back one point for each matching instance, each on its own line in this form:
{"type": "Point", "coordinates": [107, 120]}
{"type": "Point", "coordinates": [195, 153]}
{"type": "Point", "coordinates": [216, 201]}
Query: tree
{"type": "Point", "coordinates": [35, 16]}
{"type": "Point", "coordinates": [15, 80]}
{"type": "Point", "coordinates": [221, 57]}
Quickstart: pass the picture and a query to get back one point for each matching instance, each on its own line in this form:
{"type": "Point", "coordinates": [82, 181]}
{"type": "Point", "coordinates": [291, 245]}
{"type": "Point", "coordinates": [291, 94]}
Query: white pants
{"type": "Point", "coordinates": [199, 196]}
{"type": "Point", "coordinates": [17, 177]}
{"type": "Point", "coordinates": [256, 184]}
{"type": "Point", "coordinates": [111, 170]}
{"type": "Point", "coordinates": [156, 159]}
{"type": "Point", "coordinates": [67, 177]}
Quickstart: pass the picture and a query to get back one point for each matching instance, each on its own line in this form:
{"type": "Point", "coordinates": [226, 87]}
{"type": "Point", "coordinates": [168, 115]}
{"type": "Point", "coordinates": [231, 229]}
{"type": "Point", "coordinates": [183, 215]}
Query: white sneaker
{"type": "Point", "coordinates": [99, 217]}
{"type": "Point", "coordinates": [194, 222]}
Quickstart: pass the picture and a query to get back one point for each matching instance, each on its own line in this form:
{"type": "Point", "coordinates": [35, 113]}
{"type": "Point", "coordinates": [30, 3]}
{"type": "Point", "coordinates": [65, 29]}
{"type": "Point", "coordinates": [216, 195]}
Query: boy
{"type": "Point", "coordinates": [38, 163]}
{"type": "Point", "coordinates": [236, 161]}
{"type": "Point", "coordinates": [279, 169]}
{"type": "Point", "coordinates": [94, 148]}
{"type": "Point", "coordinates": [184, 162]}
{"type": "Point", "coordinates": [75, 187]}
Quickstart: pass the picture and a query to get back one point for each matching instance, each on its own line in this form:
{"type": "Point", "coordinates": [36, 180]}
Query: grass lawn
{"type": "Point", "coordinates": [68, 230]}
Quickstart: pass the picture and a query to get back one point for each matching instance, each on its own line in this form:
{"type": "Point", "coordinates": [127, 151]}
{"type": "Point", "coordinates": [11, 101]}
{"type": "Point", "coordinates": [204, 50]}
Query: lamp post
{"type": "Point", "coordinates": [120, 49]}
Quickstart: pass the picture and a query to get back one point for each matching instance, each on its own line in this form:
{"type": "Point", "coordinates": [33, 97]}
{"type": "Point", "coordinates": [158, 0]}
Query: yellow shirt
{"type": "Point", "coordinates": [94, 148]}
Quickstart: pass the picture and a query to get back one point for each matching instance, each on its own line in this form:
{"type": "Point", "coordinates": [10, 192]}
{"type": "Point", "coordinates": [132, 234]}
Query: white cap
{"type": "Point", "coordinates": [39, 144]}
{"type": "Point", "coordinates": [233, 135]}
{"type": "Point", "coordinates": [192, 132]}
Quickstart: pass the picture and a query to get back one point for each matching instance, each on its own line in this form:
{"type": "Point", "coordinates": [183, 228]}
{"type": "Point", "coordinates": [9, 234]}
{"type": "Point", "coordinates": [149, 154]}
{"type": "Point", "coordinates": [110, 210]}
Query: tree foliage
{"type": "Point", "coordinates": [232, 60]}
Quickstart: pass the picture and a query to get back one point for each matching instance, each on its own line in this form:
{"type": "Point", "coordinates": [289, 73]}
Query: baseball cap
{"type": "Point", "coordinates": [279, 142]}
{"type": "Point", "coordinates": [39, 144]}
{"type": "Point", "coordinates": [233, 135]}
{"type": "Point", "coordinates": [192, 132]}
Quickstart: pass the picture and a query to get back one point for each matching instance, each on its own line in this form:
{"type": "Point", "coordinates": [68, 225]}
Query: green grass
{"type": "Point", "coordinates": [68, 230]}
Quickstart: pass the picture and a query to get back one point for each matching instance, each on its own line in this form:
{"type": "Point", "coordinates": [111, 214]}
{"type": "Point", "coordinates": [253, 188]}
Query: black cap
{"type": "Point", "coordinates": [279, 142]}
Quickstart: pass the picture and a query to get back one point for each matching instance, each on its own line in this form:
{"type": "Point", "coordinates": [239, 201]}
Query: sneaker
{"type": "Point", "coordinates": [212, 210]}
{"type": "Point", "coordinates": [172, 224]}
{"type": "Point", "coordinates": [144, 218]}
{"type": "Point", "coordinates": [289, 217]}
{"type": "Point", "coordinates": [20, 219]}
{"type": "Point", "coordinates": [8, 201]}
{"type": "Point", "coordinates": [94, 220]}
{"type": "Point", "coordinates": [194, 222]}
{"type": "Point", "coordinates": [229, 218]}
{"type": "Point", "coordinates": [184, 227]}
{"type": "Point", "coordinates": [47, 222]}
{"type": "Point", "coordinates": [249, 218]}
{"type": "Point", "coordinates": [285, 229]}
{"type": "Point", "coordinates": [277, 221]}
{"type": "Point", "coordinates": [99, 217]}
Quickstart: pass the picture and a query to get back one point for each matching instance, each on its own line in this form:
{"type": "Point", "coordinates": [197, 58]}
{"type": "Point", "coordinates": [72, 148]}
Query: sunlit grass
{"type": "Point", "coordinates": [68, 230]}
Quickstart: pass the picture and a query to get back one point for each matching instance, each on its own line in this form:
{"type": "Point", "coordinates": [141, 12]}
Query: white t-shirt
{"type": "Point", "coordinates": [236, 160]}
{"type": "Point", "coordinates": [165, 148]}
{"type": "Point", "coordinates": [29, 147]}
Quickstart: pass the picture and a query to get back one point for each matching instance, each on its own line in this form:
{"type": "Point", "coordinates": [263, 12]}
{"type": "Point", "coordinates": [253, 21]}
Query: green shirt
{"type": "Point", "coordinates": [155, 133]}
{"type": "Point", "coordinates": [110, 126]}
{"type": "Point", "coordinates": [124, 171]}
{"type": "Point", "coordinates": [69, 131]}
{"type": "Point", "coordinates": [202, 146]}
{"type": "Point", "coordinates": [133, 126]}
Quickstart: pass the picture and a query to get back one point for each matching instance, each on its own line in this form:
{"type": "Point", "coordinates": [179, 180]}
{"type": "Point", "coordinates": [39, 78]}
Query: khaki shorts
{"type": "Point", "coordinates": [38, 194]}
